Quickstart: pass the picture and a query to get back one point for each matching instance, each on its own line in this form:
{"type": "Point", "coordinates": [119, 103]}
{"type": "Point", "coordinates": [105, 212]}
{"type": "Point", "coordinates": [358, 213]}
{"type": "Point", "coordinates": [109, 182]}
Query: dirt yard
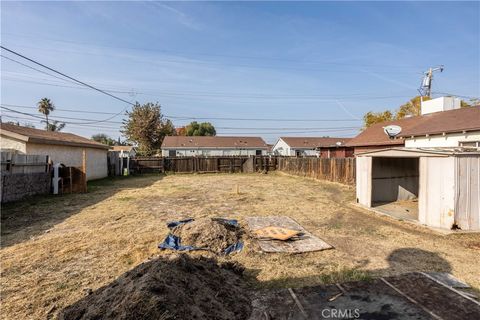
{"type": "Point", "coordinates": [55, 250]}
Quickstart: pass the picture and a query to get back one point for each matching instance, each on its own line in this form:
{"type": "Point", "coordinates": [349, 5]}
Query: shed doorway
{"type": "Point", "coordinates": [395, 185]}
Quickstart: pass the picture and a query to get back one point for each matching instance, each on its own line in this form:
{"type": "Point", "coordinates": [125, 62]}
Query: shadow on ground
{"type": "Point", "coordinates": [184, 286]}
{"type": "Point", "coordinates": [33, 216]}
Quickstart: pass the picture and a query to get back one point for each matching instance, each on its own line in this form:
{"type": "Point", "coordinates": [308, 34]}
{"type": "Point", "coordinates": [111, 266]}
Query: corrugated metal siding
{"type": "Point", "coordinates": [364, 180]}
{"type": "Point", "coordinates": [436, 201]}
{"type": "Point", "coordinates": [467, 213]}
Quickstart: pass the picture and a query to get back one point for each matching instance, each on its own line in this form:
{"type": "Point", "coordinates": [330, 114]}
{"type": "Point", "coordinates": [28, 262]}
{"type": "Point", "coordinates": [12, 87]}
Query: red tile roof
{"type": "Point", "coordinates": [314, 142]}
{"type": "Point", "coordinates": [217, 142]}
{"type": "Point", "coordinates": [32, 135]}
{"type": "Point", "coordinates": [458, 120]}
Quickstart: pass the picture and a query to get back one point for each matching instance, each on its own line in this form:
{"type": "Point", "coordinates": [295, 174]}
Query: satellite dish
{"type": "Point", "coordinates": [392, 131]}
{"type": "Point", "coordinates": [338, 143]}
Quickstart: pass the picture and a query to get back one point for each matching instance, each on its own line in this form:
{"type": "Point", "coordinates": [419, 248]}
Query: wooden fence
{"type": "Point", "coordinates": [202, 164]}
{"type": "Point", "coordinates": [340, 170]}
{"type": "Point", "coordinates": [23, 175]}
{"type": "Point", "coordinates": [23, 163]}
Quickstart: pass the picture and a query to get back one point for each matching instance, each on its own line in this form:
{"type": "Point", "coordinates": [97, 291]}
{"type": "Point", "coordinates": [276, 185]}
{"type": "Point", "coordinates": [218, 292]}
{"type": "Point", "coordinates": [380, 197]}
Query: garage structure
{"type": "Point", "coordinates": [437, 187]}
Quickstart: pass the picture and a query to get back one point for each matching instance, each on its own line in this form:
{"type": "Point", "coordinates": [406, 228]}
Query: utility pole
{"type": "Point", "coordinates": [426, 86]}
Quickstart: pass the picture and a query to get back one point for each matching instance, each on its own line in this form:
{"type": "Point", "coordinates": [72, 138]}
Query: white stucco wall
{"type": "Point", "coordinates": [281, 148]}
{"type": "Point", "coordinates": [449, 140]}
{"type": "Point", "coordinates": [14, 144]}
{"type": "Point", "coordinates": [72, 156]}
{"type": "Point", "coordinates": [212, 152]}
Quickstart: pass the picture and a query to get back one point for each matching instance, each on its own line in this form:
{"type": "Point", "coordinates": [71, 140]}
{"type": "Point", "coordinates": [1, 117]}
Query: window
{"type": "Point", "coordinates": [474, 144]}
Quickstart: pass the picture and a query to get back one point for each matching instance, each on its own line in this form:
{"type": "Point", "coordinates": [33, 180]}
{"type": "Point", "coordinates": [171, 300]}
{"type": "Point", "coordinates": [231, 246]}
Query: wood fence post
{"type": "Point", "coordinates": [84, 170]}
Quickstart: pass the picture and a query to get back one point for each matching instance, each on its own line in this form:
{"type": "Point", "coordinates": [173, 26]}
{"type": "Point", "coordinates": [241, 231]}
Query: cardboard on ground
{"type": "Point", "coordinates": [277, 233]}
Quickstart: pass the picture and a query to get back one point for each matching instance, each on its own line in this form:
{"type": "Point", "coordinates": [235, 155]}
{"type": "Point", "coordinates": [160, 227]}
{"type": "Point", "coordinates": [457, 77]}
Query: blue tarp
{"type": "Point", "coordinates": [173, 242]}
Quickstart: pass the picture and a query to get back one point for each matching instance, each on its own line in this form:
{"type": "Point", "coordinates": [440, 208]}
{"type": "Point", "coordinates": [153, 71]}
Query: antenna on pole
{"type": "Point", "coordinates": [426, 86]}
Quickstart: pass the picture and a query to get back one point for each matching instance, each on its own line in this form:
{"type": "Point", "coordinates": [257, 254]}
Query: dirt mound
{"type": "Point", "coordinates": [173, 287]}
{"type": "Point", "coordinates": [210, 233]}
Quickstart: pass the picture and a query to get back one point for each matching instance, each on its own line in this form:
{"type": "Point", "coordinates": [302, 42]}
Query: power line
{"type": "Point", "coordinates": [75, 80]}
{"type": "Point", "coordinates": [203, 118]}
{"type": "Point", "coordinates": [33, 68]}
{"type": "Point", "coordinates": [187, 95]}
{"type": "Point", "coordinates": [213, 55]}
{"type": "Point", "coordinates": [218, 127]}
{"type": "Point", "coordinates": [66, 76]}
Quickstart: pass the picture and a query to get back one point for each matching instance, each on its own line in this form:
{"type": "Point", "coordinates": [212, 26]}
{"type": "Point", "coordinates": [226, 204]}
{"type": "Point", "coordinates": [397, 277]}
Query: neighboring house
{"type": "Point", "coordinates": [324, 147]}
{"type": "Point", "coordinates": [454, 127]}
{"type": "Point", "coordinates": [124, 151]}
{"type": "Point", "coordinates": [61, 147]}
{"type": "Point", "coordinates": [179, 146]}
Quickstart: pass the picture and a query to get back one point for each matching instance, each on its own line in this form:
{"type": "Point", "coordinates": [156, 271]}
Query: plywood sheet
{"type": "Point", "coordinates": [305, 243]}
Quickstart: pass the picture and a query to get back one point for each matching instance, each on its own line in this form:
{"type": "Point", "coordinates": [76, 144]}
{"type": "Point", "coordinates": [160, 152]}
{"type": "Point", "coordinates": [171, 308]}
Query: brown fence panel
{"type": "Point", "coordinates": [340, 170]}
{"type": "Point", "coordinates": [147, 165]}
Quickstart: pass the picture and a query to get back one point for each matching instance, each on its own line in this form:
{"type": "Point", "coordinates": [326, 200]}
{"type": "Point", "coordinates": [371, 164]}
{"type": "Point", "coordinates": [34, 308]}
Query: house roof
{"type": "Point", "coordinates": [217, 142]}
{"type": "Point", "coordinates": [314, 142]}
{"type": "Point", "coordinates": [458, 120]}
{"type": "Point", "coordinates": [31, 135]}
{"type": "Point", "coordinates": [122, 148]}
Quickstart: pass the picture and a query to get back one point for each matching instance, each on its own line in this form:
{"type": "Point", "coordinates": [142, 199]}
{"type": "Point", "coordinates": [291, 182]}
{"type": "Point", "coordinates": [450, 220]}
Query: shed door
{"type": "Point", "coordinates": [467, 213]}
{"type": "Point", "coordinates": [364, 180]}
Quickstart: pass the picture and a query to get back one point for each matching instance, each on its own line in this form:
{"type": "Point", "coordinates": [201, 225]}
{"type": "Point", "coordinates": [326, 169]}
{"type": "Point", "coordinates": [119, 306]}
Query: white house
{"type": "Point", "coordinates": [61, 147]}
{"type": "Point", "coordinates": [180, 146]}
{"type": "Point", "coordinates": [326, 147]}
{"type": "Point", "coordinates": [444, 123]}
{"type": "Point", "coordinates": [431, 171]}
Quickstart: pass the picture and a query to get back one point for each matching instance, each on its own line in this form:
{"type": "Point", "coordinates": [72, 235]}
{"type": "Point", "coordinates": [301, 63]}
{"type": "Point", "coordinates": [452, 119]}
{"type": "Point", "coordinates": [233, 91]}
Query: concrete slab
{"type": "Point", "coordinates": [406, 297]}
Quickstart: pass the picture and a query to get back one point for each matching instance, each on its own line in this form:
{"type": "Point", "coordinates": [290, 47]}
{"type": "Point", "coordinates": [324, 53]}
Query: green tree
{"type": "Point", "coordinates": [45, 106]}
{"type": "Point", "coordinates": [200, 129]}
{"type": "Point", "coordinates": [146, 127]}
{"type": "Point", "coordinates": [55, 126]}
{"type": "Point", "coordinates": [103, 138]}
{"type": "Point", "coordinates": [411, 108]}
{"type": "Point", "coordinates": [371, 118]}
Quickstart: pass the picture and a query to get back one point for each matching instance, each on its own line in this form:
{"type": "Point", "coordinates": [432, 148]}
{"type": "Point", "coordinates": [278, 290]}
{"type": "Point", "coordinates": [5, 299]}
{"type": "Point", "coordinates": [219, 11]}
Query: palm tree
{"type": "Point", "coordinates": [45, 106]}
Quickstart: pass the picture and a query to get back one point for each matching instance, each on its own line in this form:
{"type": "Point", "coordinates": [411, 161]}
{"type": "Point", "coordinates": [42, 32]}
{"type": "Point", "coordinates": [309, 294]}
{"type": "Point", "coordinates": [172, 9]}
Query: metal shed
{"type": "Point", "coordinates": [443, 184]}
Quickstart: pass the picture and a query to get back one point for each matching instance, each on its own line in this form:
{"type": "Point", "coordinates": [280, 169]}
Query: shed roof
{"type": "Point", "coordinates": [31, 135]}
{"type": "Point", "coordinates": [217, 142]}
{"type": "Point", "coordinates": [403, 152]}
{"type": "Point", "coordinates": [458, 120]}
{"type": "Point", "coordinates": [314, 142]}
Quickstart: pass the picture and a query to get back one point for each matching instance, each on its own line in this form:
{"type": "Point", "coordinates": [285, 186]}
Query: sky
{"type": "Point", "coordinates": [298, 68]}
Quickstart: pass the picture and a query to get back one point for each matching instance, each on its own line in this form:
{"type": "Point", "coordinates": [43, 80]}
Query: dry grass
{"type": "Point", "coordinates": [57, 248]}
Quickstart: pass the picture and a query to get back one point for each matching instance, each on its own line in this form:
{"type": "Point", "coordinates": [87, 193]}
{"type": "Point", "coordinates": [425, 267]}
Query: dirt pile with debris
{"type": "Point", "coordinates": [213, 234]}
{"type": "Point", "coordinates": [169, 287]}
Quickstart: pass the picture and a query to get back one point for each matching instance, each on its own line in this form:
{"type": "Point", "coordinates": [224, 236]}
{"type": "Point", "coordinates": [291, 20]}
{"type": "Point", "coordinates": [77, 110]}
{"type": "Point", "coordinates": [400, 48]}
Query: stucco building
{"type": "Point", "coordinates": [61, 147]}
{"type": "Point", "coordinates": [323, 147]}
{"type": "Point", "coordinates": [435, 127]}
